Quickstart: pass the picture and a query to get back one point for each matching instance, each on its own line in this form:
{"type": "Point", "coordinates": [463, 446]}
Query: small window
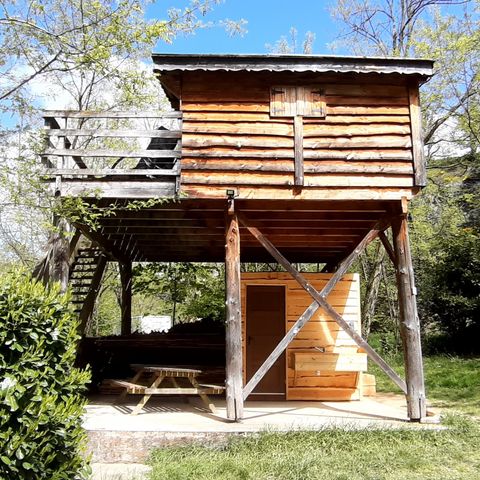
{"type": "Point", "coordinates": [301, 101]}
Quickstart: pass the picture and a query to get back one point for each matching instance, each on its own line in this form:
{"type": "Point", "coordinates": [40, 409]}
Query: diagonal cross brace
{"type": "Point", "coordinates": [319, 301]}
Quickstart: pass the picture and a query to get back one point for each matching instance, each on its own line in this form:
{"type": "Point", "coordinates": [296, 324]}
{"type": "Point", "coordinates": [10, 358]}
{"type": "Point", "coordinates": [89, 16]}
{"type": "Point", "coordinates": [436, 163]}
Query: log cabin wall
{"type": "Point", "coordinates": [362, 148]}
{"type": "Point", "coordinates": [322, 362]}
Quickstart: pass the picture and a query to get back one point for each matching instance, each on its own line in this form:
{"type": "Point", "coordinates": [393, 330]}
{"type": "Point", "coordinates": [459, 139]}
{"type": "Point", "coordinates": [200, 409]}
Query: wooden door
{"type": "Point", "coordinates": [265, 327]}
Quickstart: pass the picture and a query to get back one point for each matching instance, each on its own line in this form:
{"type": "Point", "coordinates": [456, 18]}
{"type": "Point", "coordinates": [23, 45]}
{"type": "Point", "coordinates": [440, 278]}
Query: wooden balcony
{"type": "Point", "coordinates": [113, 154]}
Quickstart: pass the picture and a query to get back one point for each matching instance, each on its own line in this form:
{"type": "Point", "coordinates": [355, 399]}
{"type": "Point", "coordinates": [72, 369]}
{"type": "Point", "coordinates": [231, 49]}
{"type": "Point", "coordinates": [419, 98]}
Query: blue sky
{"type": "Point", "coordinates": [267, 20]}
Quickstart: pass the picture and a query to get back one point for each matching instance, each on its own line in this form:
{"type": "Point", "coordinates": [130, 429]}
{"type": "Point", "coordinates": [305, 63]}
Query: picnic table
{"type": "Point", "coordinates": [155, 375]}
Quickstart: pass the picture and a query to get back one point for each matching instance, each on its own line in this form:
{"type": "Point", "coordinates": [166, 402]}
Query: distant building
{"type": "Point", "coordinates": [155, 323]}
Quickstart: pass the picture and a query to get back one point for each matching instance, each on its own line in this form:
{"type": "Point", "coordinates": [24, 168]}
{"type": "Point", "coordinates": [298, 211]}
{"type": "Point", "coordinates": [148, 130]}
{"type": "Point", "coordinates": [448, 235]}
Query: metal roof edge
{"type": "Point", "coordinates": [293, 63]}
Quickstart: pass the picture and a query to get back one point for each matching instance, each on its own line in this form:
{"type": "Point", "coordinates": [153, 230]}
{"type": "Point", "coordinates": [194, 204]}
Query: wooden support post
{"type": "Point", "coordinates": [298, 143]}
{"type": "Point", "coordinates": [126, 297]}
{"type": "Point", "coordinates": [60, 268]}
{"type": "Point", "coordinates": [409, 322]}
{"type": "Point", "coordinates": [319, 301]}
{"type": "Point", "coordinates": [234, 363]}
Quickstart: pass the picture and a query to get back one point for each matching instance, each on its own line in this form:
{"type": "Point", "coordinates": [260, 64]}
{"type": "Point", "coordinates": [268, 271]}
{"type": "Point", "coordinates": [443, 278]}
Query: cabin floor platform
{"type": "Point", "coordinates": [116, 436]}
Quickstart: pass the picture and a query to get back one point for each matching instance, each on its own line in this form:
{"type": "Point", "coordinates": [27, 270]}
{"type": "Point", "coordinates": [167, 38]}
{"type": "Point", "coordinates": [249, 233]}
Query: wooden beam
{"type": "Point", "coordinates": [112, 153]}
{"type": "Point", "coordinates": [417, 137]}
{"type": "Point", "coordinates": [233, 343]}
{"type": "Point", "coordinates": [298, 145]}
{"type": "Point", "coordinates": [409, 322]}
{"type": "Point", "coordinates": [388, 247]}
{"type": "Point", "coordinates": [89, 303]}
{"type": "Point", "coordinates": [126, 297]}
{"type": "Point", "coordinates": [108, 114]}
{"type": "Point", "coordinates": [320, 301]}
{"type": "Point", "coordinates": [107, 246]}
{"type": "Point", "coordinates": [80, 172]}
{"type": "Point", "coordinates": [113, 133]}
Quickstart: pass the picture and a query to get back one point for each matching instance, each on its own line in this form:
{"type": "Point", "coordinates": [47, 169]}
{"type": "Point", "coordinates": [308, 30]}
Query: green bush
{"type": "Point", "coordinates": [41, 400]}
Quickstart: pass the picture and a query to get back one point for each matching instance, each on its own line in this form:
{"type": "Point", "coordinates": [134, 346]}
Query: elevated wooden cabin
{"type": "Point", "coordinates": [292, 158]}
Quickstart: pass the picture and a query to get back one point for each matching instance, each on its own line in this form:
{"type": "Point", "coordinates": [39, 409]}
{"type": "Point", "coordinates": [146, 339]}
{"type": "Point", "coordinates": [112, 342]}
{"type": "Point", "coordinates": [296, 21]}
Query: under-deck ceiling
{"type": "Point", "coordinates": [194, 230]}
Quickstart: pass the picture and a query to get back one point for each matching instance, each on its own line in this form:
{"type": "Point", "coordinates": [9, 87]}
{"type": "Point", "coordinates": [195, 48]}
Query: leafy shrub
{"type": "Point", "coordinates": [451, 300]}
{"type": "Point", "coordinates": [41, 399]}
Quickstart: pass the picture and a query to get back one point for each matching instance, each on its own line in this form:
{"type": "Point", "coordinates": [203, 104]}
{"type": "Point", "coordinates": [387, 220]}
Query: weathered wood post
{"type": "Point", "coordinates": [233, 343]}
{"type": "Point", "coordinates": [126, 297]}
{"type": "Point", "coordinates": [409, 321]}
{"type": "Point", "coordinates": [60, 266]}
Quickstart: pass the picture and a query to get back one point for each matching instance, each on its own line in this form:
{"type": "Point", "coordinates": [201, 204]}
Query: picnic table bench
{"type": "Point", "coordinates": [156, 376]}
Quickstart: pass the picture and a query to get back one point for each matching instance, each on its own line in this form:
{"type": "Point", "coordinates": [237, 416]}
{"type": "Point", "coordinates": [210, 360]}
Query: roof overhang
{"type": "Point", "coordinates": [291, 63]}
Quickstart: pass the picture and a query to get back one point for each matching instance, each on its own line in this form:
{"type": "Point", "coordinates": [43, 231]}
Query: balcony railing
{"type": "Point", "coordinates": [83, 146]}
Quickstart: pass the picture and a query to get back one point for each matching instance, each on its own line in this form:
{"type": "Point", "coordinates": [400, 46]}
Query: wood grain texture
{"type": "Point", "coordinates": [233, 345]}
{"type": "Point", "coordinates": [319, 332]}
{"type": "Point", "coordinates": [417, 137]}
{"type": "Point", "coordinates": [364, 123]}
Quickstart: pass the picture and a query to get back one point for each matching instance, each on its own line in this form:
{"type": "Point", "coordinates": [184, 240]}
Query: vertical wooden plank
{"type": "Point", "coordinates": [278, 102]}
{"type": "Point", "coordinates": [302, 101]}
{"type": "Point", "coordinates": [417, 137]}
{"type": "Point", "coordinates": [298, 131]}
{"type": "Point", "coordinates": [233, 341]}
{"type": "Point", "coordinates": [126, 297]}
{"type": "Point", "coordinates": [409, 322]}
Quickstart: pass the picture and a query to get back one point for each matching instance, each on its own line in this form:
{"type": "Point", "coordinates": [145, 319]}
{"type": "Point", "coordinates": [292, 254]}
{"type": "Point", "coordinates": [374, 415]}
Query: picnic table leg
{"type": "Point", "coordinates": [123, 395]}
{"type": "Point", "coordinates": [205, 398]}
{"type": "Point", "coordinates": [146, 397]}
{"type": "Point", "coordinates": [174, 382]}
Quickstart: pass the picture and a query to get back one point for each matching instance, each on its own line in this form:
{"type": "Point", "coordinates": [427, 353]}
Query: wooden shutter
{"type": "Point", "coordinates": [293, 101]}
{"type": "Point", "coordinates": [283, 101]}
{"type": "Point", "coordinates": [314, 102]}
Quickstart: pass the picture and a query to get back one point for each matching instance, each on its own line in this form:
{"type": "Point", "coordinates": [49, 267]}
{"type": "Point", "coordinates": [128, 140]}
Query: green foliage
{"type": "Point", "coordinates": [41, 399]}
{"type": "Point", "coordinates": [456, 280]}
{"type": "Point", "coordinates": [446, 252]}
{"type": "Point", "coordinates": [79, 210]}
{"type": "Point", "coordinates": [191, 290]}
{"type": "Point", "coordinates": [333, 454]}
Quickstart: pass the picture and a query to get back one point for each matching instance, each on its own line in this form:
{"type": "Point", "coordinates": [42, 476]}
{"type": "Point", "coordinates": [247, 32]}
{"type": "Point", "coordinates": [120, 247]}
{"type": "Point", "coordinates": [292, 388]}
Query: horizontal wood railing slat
{"type": "Point", "coordinates": [109, 171]}
{"type": "Point", "coordinates": [107, 114]}
{"type": "Point", "coordinates": [113, 153]}
{"type": "Point", "coordinates": [111, 133]}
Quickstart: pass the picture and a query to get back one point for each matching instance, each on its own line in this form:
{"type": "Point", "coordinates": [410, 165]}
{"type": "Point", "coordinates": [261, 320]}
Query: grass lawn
{"type": "Point", "coordinates": [452, 383]}
{"type": "Point", "coordinates": [336, 454]}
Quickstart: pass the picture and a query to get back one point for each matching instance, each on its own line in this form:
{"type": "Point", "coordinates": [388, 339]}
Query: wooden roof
{"type": "Point", "coordinates": [292, 63]}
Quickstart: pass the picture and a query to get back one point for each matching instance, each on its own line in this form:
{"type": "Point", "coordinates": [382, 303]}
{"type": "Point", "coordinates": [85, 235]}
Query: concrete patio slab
{"type": "Point", "coordinates": [117, 436]}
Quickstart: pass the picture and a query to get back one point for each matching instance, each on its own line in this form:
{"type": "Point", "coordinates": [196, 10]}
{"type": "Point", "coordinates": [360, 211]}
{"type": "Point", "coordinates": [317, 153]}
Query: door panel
{"type": "Point", "coordinates": [265, 327]}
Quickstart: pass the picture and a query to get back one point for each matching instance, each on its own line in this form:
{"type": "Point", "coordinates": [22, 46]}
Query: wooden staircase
{"type": "Point", "coordinates": [86, 271]}
{"type": "Point", "coordinates": [86, 267]}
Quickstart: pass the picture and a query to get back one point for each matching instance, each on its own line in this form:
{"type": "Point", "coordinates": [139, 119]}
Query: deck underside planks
{"type": "Point", "coordinates": [193, 230]}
